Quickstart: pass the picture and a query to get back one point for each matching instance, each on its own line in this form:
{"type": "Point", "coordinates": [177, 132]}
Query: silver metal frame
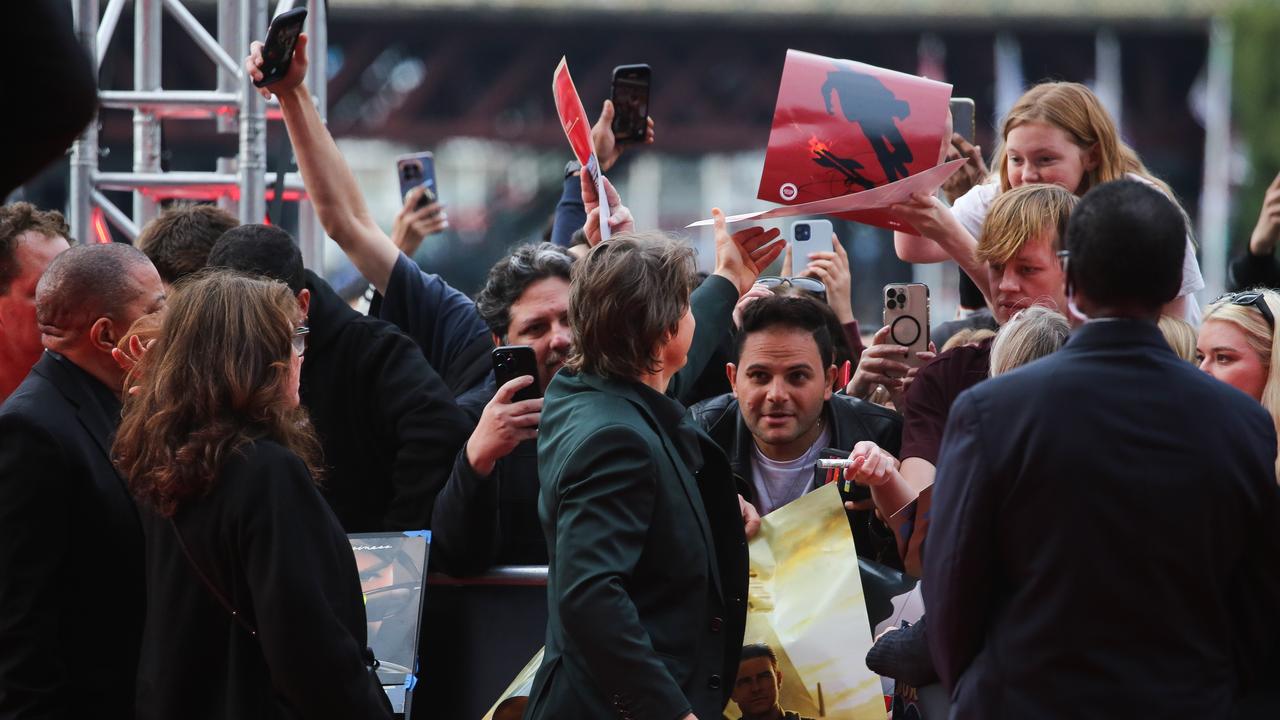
{"type": "Point", "coordinates": [238, 184]}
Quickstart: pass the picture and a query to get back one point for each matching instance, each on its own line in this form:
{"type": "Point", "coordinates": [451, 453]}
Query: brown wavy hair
{"type": "Point", "coordinates": [214, 381]}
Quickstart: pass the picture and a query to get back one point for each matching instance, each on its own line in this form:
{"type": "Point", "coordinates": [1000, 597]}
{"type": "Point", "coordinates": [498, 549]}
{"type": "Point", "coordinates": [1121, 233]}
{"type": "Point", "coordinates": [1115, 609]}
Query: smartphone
{"type": "Point", "coordinates": [513, 361]}
{"type": "Point", "coordinates": [277, 50]}
{"type": "Point", "coordinates": [809, 236]}
{"type": "Point", "coordinates": [631, 103]}
{"type": "Point", "coordinates": [417, 169]}
{"type": "Point", "coordinates": [963, 119]}
{"type": "Point", "coordinates": [906, 313]}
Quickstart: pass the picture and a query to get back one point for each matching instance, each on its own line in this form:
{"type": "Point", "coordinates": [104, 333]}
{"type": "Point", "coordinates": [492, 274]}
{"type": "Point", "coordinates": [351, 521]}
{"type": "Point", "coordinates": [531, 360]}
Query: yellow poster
{"type": "Point", "coordinates": [805, 602]}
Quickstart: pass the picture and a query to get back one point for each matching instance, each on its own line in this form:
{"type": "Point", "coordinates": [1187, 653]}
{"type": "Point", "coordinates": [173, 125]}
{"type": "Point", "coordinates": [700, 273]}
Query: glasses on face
{"type": "Point", "coordinates": [806, 284]}
{"type": "Point", "coordinates": [300, 340]}
{"type": "Point", "coordinates": [1254, 299]}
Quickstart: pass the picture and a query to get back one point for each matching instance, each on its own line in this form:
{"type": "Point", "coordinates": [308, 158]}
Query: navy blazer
{"type": "Point", "coordinates": [1105, 536]}
{"type": "Point", "coordinates": [71, 577]}
{"type": "Point", "coordinates": [647, 570]}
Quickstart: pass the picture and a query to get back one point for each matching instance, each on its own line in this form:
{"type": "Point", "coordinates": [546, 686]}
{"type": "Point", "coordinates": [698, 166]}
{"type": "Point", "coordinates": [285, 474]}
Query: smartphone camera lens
{"type": "Point", "coordinates": [803, 232]}
{"type": "Point", "coordinates": [891, 305]}
{"type": "Point", "coordinates": [889, 293]}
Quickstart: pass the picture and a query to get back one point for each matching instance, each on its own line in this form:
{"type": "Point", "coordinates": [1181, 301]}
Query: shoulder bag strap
{"type": "Point", "coordinates": [213, 589]}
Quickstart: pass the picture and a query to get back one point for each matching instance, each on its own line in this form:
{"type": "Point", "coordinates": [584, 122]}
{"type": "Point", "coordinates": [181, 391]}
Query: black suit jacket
{"type": "Point", "coordinates": [647, 575]}
{"type": "Point", "coordinates": [1105, 536]}
{"type": "Point", "coordinates": [388, 426]}
{"type": "Point", "coordinates": [71, 585]}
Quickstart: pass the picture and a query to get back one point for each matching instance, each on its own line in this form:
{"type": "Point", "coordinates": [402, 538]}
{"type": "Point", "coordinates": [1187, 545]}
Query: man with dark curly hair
{"type": "Point", "coordinates": [29, 240]}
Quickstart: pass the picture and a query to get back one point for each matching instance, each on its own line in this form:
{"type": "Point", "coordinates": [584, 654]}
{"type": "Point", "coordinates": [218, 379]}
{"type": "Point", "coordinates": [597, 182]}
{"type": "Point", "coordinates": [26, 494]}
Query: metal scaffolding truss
{"type": "Point", "coordinates": [238, 183]}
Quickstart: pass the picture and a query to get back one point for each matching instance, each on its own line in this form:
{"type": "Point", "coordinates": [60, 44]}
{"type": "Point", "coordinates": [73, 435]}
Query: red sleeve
{"type": "Point", "coordinates": [929, 398]}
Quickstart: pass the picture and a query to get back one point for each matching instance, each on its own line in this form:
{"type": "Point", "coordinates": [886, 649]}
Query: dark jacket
{"type": "Point", "coordinates": [266, 541]}
{"type": "Point", "coordinates": [388, 425]}
{"type": "Point", "coordinates": [1105, 529]}
{"type": "Point", "coordinates": [484, 521]}
{"type": "Point", "coordinates": [647, 574]}
{"type": "Point", "coordinates": [851, 421]}
{"type": "Point", "coordinates": [71, 593]}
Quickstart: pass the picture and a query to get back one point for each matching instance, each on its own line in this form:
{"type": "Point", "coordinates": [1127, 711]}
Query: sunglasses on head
{"type": "Point", "coordinates": [806, 284]}
{"type": "Point", "coordinates": [1254, 299]}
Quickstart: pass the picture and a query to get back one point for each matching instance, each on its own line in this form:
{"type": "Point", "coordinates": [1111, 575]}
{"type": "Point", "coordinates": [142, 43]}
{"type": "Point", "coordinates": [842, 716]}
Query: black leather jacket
{"type": "Point", "coordinates": [851, 420]}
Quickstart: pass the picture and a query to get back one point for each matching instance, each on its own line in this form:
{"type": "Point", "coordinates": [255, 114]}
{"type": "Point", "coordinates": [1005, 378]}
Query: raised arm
{"type": "Point", "coordinates": [330, 184]}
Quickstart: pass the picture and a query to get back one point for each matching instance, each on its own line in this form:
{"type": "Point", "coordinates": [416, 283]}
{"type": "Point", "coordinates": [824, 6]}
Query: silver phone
{"type": "Point", "coordinates": [808, 236]}
{"type": "Point", "coordinates": [906, 314]}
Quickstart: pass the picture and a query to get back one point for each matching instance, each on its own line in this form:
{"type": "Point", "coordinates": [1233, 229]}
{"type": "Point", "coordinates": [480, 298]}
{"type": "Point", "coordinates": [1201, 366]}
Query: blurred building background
{"type": "Point", "coordinates": [470, 81]}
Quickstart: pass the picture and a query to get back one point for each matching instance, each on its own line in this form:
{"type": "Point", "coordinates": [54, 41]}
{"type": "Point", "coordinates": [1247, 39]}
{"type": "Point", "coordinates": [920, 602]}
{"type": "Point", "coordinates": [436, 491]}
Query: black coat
{"type": "Point", "coordinates": [851, 421]}
{"type": "Point", "coordinates": [388, 426]}
{"type": "Point", "coordinates": [266, 541]}
{"type": "Point", "coordinates": [647, 576]}
{"type": "Point", "coordinates": [1105, 536]}
{"type": "Point", "coordinates": [71, 593]}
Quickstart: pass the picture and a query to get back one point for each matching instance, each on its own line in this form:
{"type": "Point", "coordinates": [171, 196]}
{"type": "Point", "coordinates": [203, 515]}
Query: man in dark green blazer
{"type": "Point", "coordinates": [647, 569]}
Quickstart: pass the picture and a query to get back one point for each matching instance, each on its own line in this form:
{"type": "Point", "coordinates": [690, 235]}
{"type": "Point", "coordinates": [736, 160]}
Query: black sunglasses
{"type": "Point", "coordinates": [806, 284]}
{"type": "Point", "coordinates": [1251, 298]}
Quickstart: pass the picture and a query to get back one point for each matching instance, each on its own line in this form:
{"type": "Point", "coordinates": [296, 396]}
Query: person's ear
{"type": "Point", "coordinates": [731, 371]}
{"type": "Point", "coordinates": [831, 381]}
{"type": "Point", "coordinates": [304, 301]}
{"type": "Point", "coordinates": [102, 334]}
{"type": "Point", "coordinates": [1092, 158]}
{"type": "Point", "coordinates": [497, 341]}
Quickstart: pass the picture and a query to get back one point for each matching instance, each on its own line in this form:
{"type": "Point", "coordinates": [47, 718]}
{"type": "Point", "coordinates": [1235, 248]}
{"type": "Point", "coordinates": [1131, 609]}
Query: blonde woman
{"type": "Point", "coordinates": [1057, 133]}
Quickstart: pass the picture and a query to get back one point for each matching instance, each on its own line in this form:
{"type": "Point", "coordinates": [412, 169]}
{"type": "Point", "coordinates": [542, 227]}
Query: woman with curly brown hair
{"type": "Point", "coordinates": [254, 606]}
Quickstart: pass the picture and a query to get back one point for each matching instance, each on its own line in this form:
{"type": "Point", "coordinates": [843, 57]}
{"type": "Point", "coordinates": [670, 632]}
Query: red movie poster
{"type": "Point", "coordinates": [841, 127]}
{"type": "Point", "coordinates": [573, 117]}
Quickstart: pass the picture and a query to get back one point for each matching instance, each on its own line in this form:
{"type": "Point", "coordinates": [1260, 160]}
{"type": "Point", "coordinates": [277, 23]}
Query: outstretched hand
{"type": "Point", "coordinates": [606, 145]}
{"type": "Point", "coordinates": [620, 220]}
{"type": "Point", "coordinates": [832, 268]}
{"type": "Point", "coordinates": [742, 256]}
{"type": "Point", "coordinates": [1267, 232]}
{"type": "Point", "coordinates": [292, 79]}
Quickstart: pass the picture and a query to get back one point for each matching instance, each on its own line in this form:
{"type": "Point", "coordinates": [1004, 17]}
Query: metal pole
{"type": "Point", "coordinates": [229, 37]}
{"type": "Point", "coordinates": [84, 153]}
{"type": "Point", "coordinates": [1215, 197]}
{"type": "Point", "coordinates": [146, 76]}
{"type": "Point", "coordinates": [107, 28]}
{"type": "Point", "coordinates": [311, 235]}
{"type": "Point", "coordinates": [116, 216]}
{"type": "Point", "coordinates": [253, 122]}
{"type": "Point", "coordinates": [201, 37]}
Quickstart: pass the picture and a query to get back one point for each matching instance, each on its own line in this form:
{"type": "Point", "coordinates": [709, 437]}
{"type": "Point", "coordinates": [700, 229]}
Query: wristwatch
{"type": "Point", "coordinates": [571, 168]}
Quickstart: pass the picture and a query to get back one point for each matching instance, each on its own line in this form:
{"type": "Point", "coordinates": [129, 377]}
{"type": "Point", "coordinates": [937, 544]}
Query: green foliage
{"type": "Point", "coordinates": [1255, 27]}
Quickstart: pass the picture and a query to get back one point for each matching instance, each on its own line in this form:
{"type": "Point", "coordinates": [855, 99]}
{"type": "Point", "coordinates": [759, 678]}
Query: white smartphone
{"type": "Point", "coordinates": [808, 236]}
{"type": "Point", "coordinates": [906, 313]}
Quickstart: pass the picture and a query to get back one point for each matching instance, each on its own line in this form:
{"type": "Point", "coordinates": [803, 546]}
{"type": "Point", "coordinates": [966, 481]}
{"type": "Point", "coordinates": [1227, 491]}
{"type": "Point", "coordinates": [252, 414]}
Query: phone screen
{"type": "Point", "coordinates": [631, 102]}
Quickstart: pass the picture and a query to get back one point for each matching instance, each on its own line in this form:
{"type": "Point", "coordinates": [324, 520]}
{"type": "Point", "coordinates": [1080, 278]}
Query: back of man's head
{"type": "Point", "coordinates": [179, 240]}
{"type": "Point", "coordinates": [19, 218]}
{"type": "Point", "coordinates": [85, 283]}
{"type": "Point", "coordinates": [1020, 215]}
{"type": "Point", "coordinates": [1127, 242]}
{"type": "Point", "coordinates": [788, 312]}
{"type": "Point", "coordinates": [262, 250]}
{"type": "Point", "coordinates": [512, 275]}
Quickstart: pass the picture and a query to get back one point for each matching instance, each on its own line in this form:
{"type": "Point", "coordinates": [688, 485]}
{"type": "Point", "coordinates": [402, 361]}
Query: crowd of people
{"type": "Point", "coordinates": [1085, 475]}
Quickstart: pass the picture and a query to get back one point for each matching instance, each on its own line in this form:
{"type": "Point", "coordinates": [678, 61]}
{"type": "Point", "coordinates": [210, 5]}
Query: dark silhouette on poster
{"type": "Point", "coordinates": [866, 101]}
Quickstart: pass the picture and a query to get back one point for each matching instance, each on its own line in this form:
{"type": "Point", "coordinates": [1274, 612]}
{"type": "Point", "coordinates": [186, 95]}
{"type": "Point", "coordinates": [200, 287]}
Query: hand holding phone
{"type": "Point", "coordinates": [963, 119]}
{"type": "Point", "coordinates": [630, 97]}
{"type": "Point", "coordinates": [513, 361]}
{"type": "Point", "coordinates": [277, 51]}
{"type": "Point", "coordinates": [906, 314]}
{"type": "Point", "coordinates": [417, 170]}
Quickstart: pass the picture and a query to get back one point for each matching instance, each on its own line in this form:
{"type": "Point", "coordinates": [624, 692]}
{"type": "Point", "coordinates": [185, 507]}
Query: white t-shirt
{"type": "Point", "coordinates": [971, 210]}
{"type": "Point", "coordinates": [778, 482]}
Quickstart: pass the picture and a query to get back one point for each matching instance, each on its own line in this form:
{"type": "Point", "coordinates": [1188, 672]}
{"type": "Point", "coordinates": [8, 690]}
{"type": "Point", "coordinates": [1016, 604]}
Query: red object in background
{"type": "Point", "coordinates": [840, 127]}
{"type": "Point", "coordinates": [573, 116]}
{"type": "Point", "coordinates": [101, 233]}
